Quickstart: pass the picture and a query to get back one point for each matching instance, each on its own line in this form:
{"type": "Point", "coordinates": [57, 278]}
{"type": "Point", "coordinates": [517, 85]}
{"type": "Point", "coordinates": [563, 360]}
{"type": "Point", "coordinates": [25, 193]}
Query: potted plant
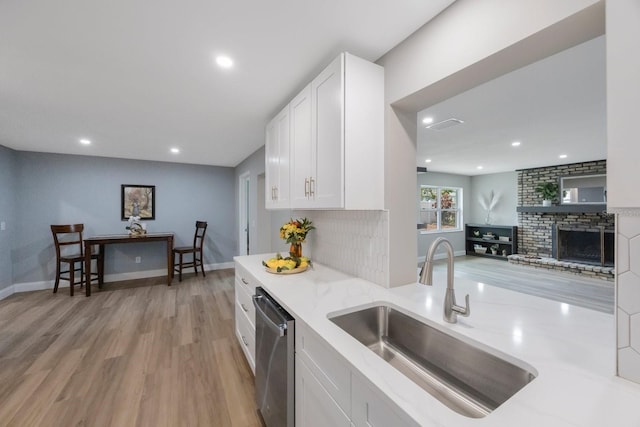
{"type": "Point", "coordinates": [549, 192]}
{"type": "Point", "coordinates": [494, 249]}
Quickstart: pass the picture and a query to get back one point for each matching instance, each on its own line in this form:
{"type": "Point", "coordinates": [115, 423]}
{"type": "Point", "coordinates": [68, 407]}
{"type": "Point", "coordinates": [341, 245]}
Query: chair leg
{"type": "Point", "coordinates": [195, 263]}
{"type": "Point", "coordinates": [55, 286]}
{"type": "Point", "coordinates": [201, 264]}
{"type": "Point", "coordinates": [180, 268]}
{"type": "Point", "coordinates": [83, 278]}
{"type": "Point", "coordinates": [72, 271]}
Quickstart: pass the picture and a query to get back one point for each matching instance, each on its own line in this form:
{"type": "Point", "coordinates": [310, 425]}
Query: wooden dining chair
{"type": "Point", "coordinates": [195, 251]}
{"type": "Point", "coordinates": [70, 250]}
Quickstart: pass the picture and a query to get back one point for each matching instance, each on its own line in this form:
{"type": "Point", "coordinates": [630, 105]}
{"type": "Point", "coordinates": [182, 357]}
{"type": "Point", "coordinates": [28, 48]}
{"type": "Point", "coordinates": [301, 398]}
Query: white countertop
{"type": "Point", "coordinates": [571, 348]}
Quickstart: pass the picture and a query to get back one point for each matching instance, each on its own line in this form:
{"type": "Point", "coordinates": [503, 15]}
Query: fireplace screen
{"type": "Point", "coordinates": [586, 245]}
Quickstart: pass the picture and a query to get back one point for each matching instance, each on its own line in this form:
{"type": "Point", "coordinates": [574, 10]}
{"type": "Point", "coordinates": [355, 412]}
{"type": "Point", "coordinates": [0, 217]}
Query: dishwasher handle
{"type": "Point", "coordinates": [279, 328]}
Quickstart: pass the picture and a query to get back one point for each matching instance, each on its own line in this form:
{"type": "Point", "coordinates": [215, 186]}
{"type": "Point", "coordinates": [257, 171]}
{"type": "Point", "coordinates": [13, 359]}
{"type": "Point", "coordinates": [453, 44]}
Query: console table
{"type": "Point", "coordinates": [505, 237]}
{"type": "Point", "coordinates": [101, 241]}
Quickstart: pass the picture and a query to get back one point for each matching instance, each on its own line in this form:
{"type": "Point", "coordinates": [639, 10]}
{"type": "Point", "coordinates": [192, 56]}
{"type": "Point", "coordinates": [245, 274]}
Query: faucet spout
{"type": "Point", "coordinates": [451, 310]}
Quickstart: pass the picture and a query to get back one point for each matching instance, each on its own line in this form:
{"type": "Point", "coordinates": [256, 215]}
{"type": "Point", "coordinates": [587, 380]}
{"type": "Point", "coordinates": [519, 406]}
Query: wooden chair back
{"type": "Point", "coordinates": [68, 239]}
{"type": "Point", "coordinates": [198, 238]}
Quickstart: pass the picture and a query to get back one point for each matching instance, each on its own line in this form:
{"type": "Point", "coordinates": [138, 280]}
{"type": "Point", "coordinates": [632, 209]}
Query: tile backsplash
{"type": "Point", "coordinates": [354, 242]}
{"type": "Point", "coordinates": [628, 295]}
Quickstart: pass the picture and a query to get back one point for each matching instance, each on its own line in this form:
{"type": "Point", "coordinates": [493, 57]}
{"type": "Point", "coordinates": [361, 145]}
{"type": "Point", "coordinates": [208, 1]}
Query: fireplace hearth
{"type": "Point", "coordinates": [589, 245]}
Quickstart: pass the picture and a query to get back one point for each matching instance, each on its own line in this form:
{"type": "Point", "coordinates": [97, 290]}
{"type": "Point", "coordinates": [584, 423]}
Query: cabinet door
{"type": "Point", "coordinates": [369, 408]}
{"type": "Point", "coordinates": [246, 334]}
{"type": "Point", "coordinates": [314, 406]}
{"type": "Point", "coordinates": [327, 366]}
{"type": "Point", "coordinates": [301, 149]}
{"type": "Point", "coordinates": [277, 161]}
{"type": "Point", "coordinates": [327, 110]}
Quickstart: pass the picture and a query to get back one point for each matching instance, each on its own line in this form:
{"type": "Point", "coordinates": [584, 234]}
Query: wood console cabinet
{"type": "Point", "coordinates": [484, 236]}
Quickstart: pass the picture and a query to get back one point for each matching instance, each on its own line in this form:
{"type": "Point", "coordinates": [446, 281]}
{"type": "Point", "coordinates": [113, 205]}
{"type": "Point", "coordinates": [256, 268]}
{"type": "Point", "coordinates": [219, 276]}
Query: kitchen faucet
{"type": "Point", "coordinates": [451, 310]}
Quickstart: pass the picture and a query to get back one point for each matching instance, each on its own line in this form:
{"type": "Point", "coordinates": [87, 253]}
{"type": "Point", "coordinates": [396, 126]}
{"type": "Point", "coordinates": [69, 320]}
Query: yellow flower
{"type": "Point", "coordinates": [295, 231]}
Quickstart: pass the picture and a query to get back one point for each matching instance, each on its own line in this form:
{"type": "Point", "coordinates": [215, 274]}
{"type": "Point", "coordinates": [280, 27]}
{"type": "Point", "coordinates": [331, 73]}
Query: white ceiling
{"type": "Point", "coordinates": [137, 77]}
{"type": "Point", "coordinates": [554, 106]}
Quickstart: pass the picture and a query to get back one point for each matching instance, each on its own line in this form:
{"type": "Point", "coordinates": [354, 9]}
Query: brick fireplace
{"type": "Point", "coordinates": [537, 225]}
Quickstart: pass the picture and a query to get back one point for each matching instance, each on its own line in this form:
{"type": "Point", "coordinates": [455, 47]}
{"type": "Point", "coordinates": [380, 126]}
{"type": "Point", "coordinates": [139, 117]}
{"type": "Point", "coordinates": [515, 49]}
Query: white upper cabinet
{"type": "Point", "coordinates": [337, 139]}
{"type": "Point", "coordinates": [277, 162]}
{"type": "Point", "coordinates": [301, 148]}
{"type": "Point", "coordinates": [326, 166]}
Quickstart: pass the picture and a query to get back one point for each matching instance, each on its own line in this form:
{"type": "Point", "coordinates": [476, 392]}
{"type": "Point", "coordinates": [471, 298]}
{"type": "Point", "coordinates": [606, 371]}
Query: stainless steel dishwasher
{"type": "Point", "coordinates": [275, 338]}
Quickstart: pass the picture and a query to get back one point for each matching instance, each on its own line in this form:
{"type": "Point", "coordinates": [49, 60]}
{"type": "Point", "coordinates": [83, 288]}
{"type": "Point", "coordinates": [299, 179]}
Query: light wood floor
{"type": "Point", "coordinates": [150, 355]}
{"type": "Point", "coordinates": [595, 294]}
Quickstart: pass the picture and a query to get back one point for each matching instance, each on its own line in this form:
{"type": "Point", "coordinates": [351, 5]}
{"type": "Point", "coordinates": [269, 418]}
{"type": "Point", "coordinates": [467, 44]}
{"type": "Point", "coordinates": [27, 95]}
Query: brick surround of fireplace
{"type": "Point", "coordinates": [535, 229]}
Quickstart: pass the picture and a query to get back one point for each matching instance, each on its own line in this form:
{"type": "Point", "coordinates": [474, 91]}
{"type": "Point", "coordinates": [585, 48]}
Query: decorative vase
{"type": "Point", "coordinates": [487, 220]}
{"type": "Point", "coordinates": [546, 203]}
{"type": "Point", "coordinates": [295, 250]}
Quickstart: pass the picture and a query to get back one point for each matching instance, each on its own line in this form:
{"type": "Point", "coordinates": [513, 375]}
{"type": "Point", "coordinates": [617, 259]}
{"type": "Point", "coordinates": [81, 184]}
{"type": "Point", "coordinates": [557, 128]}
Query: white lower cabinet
{"type": "Point", "coordinates": [246, 335]}
{"type": "Point", "coordinates": [314, 405]}
{"type": "Point", "coordinates": [329, 393]}
{"type": "Point", "coordinates": [369, 407]}
{"type": "Point", "coordinates": [245, 316]}
{"type": "Point", "coordinates": [329, 368]}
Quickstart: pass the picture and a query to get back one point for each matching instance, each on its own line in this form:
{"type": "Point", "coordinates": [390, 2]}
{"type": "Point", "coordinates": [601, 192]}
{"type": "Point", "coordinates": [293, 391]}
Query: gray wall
{"type": "Point", "coordinates": [63, 189]}
{"type": "Point", "coordinates": [7, 211]}
{"type": "Point", "coordinates": [505, 186]}
{"type": "Point", "coordinates": [455, 237]}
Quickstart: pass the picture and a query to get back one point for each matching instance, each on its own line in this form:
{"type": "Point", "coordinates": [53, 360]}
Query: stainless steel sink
{"type": "Point", "coordinates": [465, 377]}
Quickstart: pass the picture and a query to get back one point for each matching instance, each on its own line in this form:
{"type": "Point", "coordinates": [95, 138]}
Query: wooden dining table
{"type": "Point", "coordinates": [103, 240]}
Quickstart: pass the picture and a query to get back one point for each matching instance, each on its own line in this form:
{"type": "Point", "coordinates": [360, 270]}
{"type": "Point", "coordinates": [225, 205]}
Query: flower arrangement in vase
{"type": "Point", "coordinates": [295, 232]}
{"type": "Point", "coordinates": [135, 227]}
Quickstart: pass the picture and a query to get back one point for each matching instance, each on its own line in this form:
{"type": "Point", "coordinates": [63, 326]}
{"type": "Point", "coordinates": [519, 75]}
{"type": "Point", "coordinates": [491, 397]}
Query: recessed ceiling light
{"type": "Point", "coordinates": [479, 167]}
{"type": "Point", "coordinates": [427, 120]}
{"type": "Point", "coordinates": [427, 161]}
{"type": "Point", "coordinates": [85, 141]}
{"type": "Point", "coordinates": [175, 150]}
{"type": "Point", "coordinates": [515, 143]}
{"type": "Point", "coordinates": [563, 156]}
{"type": "Point", "coordinates": [224, 61]}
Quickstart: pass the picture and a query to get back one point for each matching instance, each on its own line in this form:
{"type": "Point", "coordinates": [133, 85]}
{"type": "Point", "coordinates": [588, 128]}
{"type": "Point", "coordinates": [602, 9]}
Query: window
{"type": "Point", "coordinates": [440, 209]}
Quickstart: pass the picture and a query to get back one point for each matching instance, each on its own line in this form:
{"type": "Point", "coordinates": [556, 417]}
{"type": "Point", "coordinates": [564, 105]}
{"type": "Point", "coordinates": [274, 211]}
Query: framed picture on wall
{"type": "Point", "coordinates": [138, 200]}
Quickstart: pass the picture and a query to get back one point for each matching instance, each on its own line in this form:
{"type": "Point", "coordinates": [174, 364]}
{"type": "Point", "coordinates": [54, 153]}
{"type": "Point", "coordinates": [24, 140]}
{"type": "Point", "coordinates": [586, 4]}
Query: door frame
{"type": "Point", "coordinates": [244, 183]}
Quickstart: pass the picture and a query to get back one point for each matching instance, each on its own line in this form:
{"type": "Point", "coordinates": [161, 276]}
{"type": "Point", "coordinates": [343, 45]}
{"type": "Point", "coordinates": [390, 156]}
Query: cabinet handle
{"type": "Point", "coordinates": [273, 189]}
{"type": "Point", "coordinates": [244, 307]}
{"type": "Point", "coordinates": [276, 192]}
{"type": "Point", "coordinates": [244, 340]}
{"type": "Point", "coordinates": [306, 187]}
{"type": "Point", "coordinates": [244, 281]}
{"type": "Point", "coordinates": [312, 187]}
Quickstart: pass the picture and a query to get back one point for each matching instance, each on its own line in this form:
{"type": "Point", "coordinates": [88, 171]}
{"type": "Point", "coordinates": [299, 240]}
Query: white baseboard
{"type": "Point", "coordinates": [421, 259]}
{"type": "Point", "coordinates": [220, 266]}
{"type": "Point", "coordinates": [48, 284]}
{"type": "Point", "coordinates": [8, 291]}
{"type": "Point", "coordinates": [37, 286]}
